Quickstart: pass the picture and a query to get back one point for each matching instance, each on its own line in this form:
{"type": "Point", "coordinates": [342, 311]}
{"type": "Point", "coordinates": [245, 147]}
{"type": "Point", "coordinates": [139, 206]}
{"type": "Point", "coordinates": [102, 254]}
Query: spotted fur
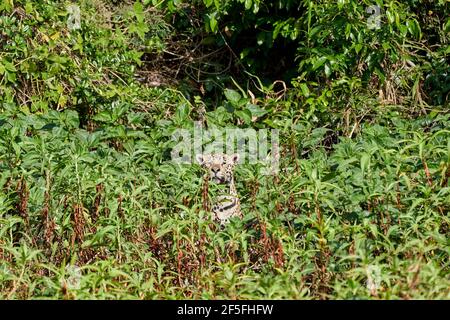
{"type": "Point", "coordinates": [220, 170]}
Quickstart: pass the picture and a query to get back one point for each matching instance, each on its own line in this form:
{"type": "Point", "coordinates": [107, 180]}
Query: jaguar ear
{"type": "Point", "coordinates": [200, 159]}
{"type": "Point", "coordinates": [235, 158]}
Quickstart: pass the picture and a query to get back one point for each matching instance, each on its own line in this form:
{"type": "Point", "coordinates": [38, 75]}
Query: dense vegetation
{"type": "Point", "coordinates": [91, 206]}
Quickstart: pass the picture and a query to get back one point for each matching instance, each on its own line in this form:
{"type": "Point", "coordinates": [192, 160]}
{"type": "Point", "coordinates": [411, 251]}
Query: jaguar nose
{"type": "Point", "coordinates": [215, 170]}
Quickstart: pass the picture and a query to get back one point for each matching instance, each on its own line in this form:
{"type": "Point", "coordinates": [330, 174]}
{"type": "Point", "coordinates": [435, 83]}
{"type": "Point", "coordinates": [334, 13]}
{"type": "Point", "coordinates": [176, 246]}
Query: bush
{"type": "Point", "coordinates": [91, 206]}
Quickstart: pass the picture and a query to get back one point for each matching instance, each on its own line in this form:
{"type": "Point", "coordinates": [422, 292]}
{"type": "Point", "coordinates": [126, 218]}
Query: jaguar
{"type": "Point", "coordinates": [220, 169]}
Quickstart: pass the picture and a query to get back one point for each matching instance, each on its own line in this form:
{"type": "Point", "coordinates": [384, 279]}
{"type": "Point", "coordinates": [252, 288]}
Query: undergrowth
{"type": "Point", "coordinates": [92, 207]}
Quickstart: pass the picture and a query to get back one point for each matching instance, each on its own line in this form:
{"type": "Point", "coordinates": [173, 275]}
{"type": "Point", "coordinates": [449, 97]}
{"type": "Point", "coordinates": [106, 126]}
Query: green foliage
{"type": "Point", "coordinates": [368, 203]}
{"type": "Point", "coordinates": [333, 41]}
{"type": "Point", "coordinates": [91, 206]}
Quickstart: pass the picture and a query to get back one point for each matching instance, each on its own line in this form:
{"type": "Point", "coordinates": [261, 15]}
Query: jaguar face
{"type": "Point", "coordinates": [219, 165]}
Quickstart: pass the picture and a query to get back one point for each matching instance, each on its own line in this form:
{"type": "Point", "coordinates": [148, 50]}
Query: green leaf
{"type": "Point", "coordinates": [447, 26]}
{"type": "Point", "coordinates": [9, 66]}
{"type": "Point", "coordinates": [138, 7]}
{"type": "Point", "coordinates": [245, 115]}
{"type": "Point", "coordinates": [305, 89]}
{"type": "Point", "coordinates": [365, 162]}
{"type": "Point", "coordinates": [255, 110]}
{"type": "Point", "coordinates": [7, 5]}
{"type": "Point", "coordinates": [327, 70]}
{"type": "Point", "coordinates": [380, 74]}
{"type": "Point", "coordinates": [319, 63]}
{"type": "Point", "coordinates": [103, 116]}
{"type": "Point", "coordinates": [139, 11]}
{"type": "Point", "coordinates": [28, 8]}
{"type": "Point", "coordinates": [213, 22]}
{"type": "Point", "coordinates": [11, 76]}
{"type": "Point", "coordinates": [183, 112]}
{"type": "Point", "coordinates": [232, 96]}
{"type": "Point", "coordinates": [414, 28]}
